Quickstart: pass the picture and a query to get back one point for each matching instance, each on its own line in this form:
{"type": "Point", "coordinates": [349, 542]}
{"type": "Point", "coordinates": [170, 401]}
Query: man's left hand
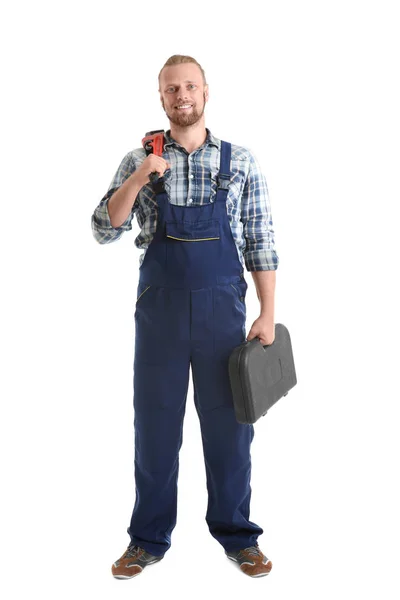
{"type": "Point", "coordinates": [263, 329]}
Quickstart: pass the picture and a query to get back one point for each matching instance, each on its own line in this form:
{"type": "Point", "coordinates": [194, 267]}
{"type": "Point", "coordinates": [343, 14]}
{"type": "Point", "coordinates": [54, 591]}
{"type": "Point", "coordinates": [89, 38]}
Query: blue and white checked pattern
{"type": "Point", "coordinates": [192, 180]}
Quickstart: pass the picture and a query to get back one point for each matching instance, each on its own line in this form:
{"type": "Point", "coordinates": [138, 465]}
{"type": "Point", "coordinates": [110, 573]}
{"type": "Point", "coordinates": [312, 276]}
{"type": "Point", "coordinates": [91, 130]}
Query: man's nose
{"type": "Point", "coordinates": [181, 96]}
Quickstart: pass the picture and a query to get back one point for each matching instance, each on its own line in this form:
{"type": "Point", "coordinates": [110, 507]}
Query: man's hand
{"type": "Point", "coordinates": [152, 163]}
{"type": "Point", "coordinates": [264, 329]}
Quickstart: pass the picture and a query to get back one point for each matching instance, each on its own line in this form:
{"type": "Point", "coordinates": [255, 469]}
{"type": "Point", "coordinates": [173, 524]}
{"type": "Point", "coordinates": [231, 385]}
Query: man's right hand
{"type": "Point", "coordinates": [151, 163]}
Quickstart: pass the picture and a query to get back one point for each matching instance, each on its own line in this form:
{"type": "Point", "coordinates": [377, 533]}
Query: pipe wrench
{"type": "Point", "coordinates": [154, 142]}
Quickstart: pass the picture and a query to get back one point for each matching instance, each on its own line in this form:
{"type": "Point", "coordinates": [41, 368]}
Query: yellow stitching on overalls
{"type": "Point", "coordinates": [143, 293]}
{"type": "Point", "coordinates": [195, 240]}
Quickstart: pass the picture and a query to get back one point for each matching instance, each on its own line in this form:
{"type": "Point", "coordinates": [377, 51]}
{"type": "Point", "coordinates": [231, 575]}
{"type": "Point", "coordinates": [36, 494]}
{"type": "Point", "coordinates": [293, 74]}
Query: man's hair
{"type": "Point", "coordinates": [178, 59]}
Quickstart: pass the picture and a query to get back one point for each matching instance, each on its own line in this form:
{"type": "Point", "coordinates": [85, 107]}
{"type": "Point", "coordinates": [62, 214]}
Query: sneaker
{"type": "Point", "coordinates": [132, 562]}
{"type": "Point", "coordinates": [251, 561]}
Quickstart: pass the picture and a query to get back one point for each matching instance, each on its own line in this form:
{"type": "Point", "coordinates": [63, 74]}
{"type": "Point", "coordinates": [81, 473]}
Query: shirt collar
{"type": "Point", "coordinates": [209, 141]}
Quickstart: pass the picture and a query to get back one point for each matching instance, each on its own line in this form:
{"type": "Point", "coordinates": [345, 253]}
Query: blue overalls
{"type": "Point", "coordinates": [190, 310]}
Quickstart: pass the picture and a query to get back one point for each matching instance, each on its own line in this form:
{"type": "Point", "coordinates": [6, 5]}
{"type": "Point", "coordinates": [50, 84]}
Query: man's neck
{"type": "Point", "coordinates": [191, 137]}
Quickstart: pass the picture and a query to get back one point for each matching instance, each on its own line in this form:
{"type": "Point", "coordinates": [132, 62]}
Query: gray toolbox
{"type": "Point", "coordinates": [261, 375]}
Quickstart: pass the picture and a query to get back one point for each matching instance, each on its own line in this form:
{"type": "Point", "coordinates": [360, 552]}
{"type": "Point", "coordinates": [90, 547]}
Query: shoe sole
{"type": "Point", "coordinates": [259, 574]}
{"type": "Point", "coordinates": [139, 573]}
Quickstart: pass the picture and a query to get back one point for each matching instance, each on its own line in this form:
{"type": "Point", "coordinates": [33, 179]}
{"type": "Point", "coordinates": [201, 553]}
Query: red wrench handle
{"type": "Point", "coordinates": [154, 142]}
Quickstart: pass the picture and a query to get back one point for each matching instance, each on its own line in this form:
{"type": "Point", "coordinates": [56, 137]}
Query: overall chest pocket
{"type": "Point", "coordinates": [193, 231]}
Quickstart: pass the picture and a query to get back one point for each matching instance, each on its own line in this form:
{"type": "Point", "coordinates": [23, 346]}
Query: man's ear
{"type": "Point", "coordinates": [206, 92]}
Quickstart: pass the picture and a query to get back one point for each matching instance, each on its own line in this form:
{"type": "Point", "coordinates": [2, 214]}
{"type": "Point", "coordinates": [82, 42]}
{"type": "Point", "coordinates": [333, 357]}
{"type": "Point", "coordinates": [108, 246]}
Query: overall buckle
{"type": "Point", "coordinates": [223, 181]}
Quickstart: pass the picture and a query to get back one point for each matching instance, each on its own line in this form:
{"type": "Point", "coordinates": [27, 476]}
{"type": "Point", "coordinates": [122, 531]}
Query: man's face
{"type": "Point", "coordinates": [181, 85]}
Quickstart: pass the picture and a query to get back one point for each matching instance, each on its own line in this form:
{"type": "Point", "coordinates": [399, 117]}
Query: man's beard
{"type": "Point", "coordinates": [184, 119]}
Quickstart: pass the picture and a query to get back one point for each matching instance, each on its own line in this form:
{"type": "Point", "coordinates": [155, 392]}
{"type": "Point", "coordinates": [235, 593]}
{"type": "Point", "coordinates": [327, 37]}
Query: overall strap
{"type": "Point", "coordinates": [224, 174]}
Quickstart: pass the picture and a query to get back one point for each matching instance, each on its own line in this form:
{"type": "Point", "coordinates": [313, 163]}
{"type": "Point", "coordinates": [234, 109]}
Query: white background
{"type": "Point", "coordinates": [311, 89]}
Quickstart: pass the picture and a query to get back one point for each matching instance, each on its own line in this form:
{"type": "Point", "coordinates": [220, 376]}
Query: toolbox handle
{"type": "Point", "coordinates": [263, 345]}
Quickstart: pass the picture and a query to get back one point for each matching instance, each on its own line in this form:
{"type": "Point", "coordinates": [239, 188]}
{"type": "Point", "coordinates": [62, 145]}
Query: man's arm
{"type": "Point", "coordinates": [121, 213]}
{"type": "Point", "coordinates": [265, 286]}
{"type": "Point", "coordinates": [260, 254]}
{"type": "Point", "coordinates": [256, 216]}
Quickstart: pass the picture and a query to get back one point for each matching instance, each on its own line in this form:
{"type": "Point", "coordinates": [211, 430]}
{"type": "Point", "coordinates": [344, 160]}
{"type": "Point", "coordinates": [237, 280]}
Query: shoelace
{"type": "Point", "coordinates": [254, 550]}
{"type": "Point", "coordinates": [133, 551]}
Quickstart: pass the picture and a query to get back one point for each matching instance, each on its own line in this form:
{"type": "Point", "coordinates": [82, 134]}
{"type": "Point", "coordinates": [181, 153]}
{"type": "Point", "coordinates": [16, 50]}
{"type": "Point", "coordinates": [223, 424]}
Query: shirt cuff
{"type": "Point", "coordinates": [103, 217]}
{"type": "Point", "coordinates": [261, 260]}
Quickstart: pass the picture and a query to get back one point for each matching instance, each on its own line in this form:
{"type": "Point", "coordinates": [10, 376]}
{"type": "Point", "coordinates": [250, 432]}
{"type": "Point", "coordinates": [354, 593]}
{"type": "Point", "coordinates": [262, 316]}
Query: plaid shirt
{"type": "Point", "coordinates": [192, 180]}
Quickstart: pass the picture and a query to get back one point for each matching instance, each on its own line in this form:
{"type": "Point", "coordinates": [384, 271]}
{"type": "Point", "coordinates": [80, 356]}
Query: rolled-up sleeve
{"type": "Point", "coordinates": [259, 253]}
{"type": "Point", "coordinates": [103, 231]}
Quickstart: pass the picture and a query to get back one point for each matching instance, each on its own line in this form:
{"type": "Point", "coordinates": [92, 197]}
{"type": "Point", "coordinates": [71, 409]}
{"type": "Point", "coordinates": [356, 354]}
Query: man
{"type": "Point", "coordinates": [206, 218]}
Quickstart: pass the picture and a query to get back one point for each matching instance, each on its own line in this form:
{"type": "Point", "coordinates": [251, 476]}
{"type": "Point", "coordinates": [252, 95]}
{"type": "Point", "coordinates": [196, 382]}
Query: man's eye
{"type": "Point", "coordinates": [190, 85]}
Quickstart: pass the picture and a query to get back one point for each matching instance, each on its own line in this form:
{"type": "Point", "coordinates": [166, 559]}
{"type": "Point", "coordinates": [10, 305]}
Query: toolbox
{"type": "Point", "coordinates": [261, 375]}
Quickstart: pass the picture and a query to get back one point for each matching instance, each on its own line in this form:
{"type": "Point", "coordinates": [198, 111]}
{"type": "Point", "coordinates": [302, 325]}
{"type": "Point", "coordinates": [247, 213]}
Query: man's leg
{"type": "Point", "coordinates": [161, 377]}
{"type": "Point", "coordinates": [226, 443]}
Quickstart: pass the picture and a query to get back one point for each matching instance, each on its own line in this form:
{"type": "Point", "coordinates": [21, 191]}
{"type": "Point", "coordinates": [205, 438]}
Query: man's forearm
{"type": "Point", "coordinates": [265, 287]}
{"type": "Point", "coordinates": [121, 202]}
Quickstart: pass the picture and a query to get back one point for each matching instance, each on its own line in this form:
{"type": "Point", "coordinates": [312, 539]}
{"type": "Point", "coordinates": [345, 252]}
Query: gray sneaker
{"type": "Point", "coordinates": [132, 562]}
